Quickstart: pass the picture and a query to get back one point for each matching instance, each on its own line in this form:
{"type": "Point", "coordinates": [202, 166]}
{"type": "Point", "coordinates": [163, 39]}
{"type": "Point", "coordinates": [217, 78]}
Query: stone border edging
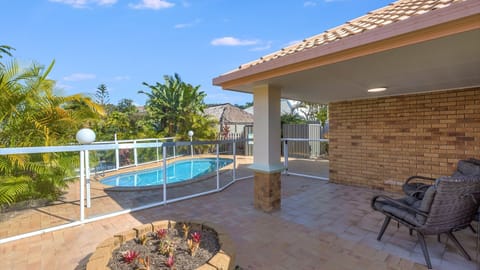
{"type": "Point", "coordinates": [224, 259]}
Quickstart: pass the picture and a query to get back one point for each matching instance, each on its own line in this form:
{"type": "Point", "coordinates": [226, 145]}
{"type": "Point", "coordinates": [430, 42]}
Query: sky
{"type": "Point", "coordinates": [123, 43]}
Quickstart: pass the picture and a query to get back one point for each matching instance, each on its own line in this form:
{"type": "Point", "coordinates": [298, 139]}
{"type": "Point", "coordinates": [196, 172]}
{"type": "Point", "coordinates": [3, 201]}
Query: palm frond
{"type": "Point", "coordinates": [11, 188]}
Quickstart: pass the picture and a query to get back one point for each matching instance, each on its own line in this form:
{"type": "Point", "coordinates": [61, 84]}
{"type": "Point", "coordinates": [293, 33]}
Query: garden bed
{"type": "Point", "coordinates": [162, 245]}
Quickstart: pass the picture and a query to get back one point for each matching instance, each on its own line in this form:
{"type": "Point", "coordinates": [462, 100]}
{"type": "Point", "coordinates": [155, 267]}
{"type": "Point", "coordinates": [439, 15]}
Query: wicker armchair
{"type": "Point", "coordinates": [447, 206]}
{"type": "Point", "coordinates": [413, 187]}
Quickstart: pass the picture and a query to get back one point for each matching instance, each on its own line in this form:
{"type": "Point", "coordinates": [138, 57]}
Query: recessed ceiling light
{"type": "Point", "coordinates": [375, 90]}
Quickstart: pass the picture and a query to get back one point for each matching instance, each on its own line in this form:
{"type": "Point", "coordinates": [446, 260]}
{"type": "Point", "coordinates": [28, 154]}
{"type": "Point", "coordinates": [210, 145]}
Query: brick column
{"type": "Point", "coordinates": [266, 150]}
{"type": "Point", "coordinates": [268, 189]}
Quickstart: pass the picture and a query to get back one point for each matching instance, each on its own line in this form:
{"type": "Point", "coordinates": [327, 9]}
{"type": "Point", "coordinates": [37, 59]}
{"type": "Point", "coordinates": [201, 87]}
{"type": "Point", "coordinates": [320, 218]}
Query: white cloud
{"type": "Point", "coordinates": [73, 3]}
{"type": "Point", "coordinates": [310, 3]}
{"type": "Point", "coordinates": [106, 2]}
{"type": "Point", "coordinates": [186, 25]}
{"type": "Point", "coordinates": [75, 77]}
{"type": "Point", "coordinates": [152, 4]}
{"type": "Point", "coordinates": [183, 25]}
{"type": "Point", "coordinates": [85, 3]}
{"type": "Point", "coordinates": [231, 41]}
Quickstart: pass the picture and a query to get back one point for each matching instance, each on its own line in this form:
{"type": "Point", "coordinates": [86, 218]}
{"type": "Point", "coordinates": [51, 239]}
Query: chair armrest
{"type": "Point", "coordinates": [416, 189]}
{"type": "Point", "coordinates": [419, 177]}
{"type": "Point", "coordinates": [397, 203]}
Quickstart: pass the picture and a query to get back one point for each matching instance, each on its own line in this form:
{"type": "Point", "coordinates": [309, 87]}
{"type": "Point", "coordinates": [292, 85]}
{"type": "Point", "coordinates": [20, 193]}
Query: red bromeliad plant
{"type": "Point", "coordinates": [194, 242]}
{"type": "Point", "coordinates": [129, 256]}
{"type": "Point", "coordinates": [161, 233]}
{"type": "Point", "coordinates": [166, 246]}
{"type": "Point", "coordinates": [170, 261]}
{"type": "Point", "coordinates": [196, 236]}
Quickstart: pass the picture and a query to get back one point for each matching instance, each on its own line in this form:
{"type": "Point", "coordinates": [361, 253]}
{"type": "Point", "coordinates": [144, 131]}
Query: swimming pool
{"type": "Point", "coordinates": [177, 171]}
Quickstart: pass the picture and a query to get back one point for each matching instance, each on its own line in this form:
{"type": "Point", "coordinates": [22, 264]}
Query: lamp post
{"type": "Point", "coordinates": [84, 136]}
{"type": "Point", "coordinates": [190, 134]}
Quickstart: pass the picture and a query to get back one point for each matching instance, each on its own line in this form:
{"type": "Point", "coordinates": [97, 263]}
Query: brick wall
{"type": "Point", "coordinates": [380, 142]}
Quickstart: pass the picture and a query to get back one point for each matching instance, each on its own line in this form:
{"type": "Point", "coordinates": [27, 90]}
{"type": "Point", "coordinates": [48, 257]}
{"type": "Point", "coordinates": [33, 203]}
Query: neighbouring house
{"type": "Point", "coordinates": [141, 109]}
{"type": "Point", "coordinates": [403, 88]}
{"type": "Point", "coordinates": [231, 119]}
{"type": "Point", "coordinates": [286, 107]}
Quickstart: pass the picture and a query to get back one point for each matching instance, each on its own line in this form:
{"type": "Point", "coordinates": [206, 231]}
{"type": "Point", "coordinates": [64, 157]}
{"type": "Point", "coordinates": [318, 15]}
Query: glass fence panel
{"type": "Point", "coordinates": [183, 150]}
{"type": "Point", "coordinates": [147, 155]}
{"type": "Point", "coordinates": [126, 188]}
{"type": "Point", "coordinates": [192, 174]}
{"type": "Point", "coordinates": [298, 149]}
{"type": "Point", "coordinates": [101, 161]}
{"type": "Point", "coordinates": [307, 157]}
{"type": "Point", "coordinates": [126, 157]}
{"type": "Point", "coordinates": [244, 158]}
{"type": "Point", "coordinates": [226, 161]}
{"type": "Point", "coordinates": [37, 192]}
{"type": "Point", "coordinates": [171, 152]}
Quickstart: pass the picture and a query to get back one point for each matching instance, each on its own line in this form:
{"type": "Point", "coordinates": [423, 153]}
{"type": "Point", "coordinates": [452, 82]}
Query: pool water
{"type": "Point", "coordinates": [177, 171]}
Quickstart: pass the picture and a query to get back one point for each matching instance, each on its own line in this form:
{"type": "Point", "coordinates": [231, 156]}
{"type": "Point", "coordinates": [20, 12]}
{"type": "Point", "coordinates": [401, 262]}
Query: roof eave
{"type": "Point", "coordinates": [438, 23]}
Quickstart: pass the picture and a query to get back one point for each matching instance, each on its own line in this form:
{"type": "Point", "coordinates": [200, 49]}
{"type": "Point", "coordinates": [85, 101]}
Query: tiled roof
{"type": "Point", "coordinates": [397, 11]}
{"type": "Point", "coordinates": [226, 113]}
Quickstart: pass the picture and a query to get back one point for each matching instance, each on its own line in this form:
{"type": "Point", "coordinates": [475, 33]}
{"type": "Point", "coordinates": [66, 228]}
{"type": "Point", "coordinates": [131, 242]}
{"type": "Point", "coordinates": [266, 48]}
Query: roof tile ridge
{"type": "Point", "coordinates": [398, 10]}
{"type": "Point", "coordinates": [294, 47]}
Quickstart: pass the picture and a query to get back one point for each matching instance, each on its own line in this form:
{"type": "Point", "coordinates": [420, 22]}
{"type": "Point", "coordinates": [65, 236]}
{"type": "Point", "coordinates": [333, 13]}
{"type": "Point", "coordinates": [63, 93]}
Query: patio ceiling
{"type": "Point", "coordinates": [436, 50]}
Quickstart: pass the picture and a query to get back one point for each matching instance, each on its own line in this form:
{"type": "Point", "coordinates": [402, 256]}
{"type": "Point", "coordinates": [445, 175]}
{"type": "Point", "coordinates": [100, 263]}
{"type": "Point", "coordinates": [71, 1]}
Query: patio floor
{"type": "Point", "coordinates": [320, 226]}
{"type": "Point", "coordinates": [105, 201]}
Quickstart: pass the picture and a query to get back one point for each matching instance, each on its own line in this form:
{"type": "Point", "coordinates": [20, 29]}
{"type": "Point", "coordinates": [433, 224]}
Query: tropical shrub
{"type": "Point", "coordinates": [32, 115]}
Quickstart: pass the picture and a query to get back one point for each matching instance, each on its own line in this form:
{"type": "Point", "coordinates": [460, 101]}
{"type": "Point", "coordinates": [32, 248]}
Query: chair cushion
{"type": "Point", "coordinates": [474, 161]}
{"type": "Point", "coordinates": [402, 214]}
{"type": "Point", "coordinates": [399, 212]}
{"type": "Point", "coordinates": [405, 214]}
{"type": "Point", "coordinates": [425, 204]}
{"type": "Point", "coordinates": [468, 168]}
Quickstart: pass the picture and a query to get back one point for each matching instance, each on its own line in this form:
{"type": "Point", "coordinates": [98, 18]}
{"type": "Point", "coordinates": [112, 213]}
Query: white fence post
{"type": "Point", "coordinates": [218, 172]}
{"type": "Point", "coordinates": [234, 160]}
{"type": "Point", "coordinates": [164, 174]}
{"type": "Point", "coordinates": [117, 157]}
{"type": "Point", "coordinates": [158, 155]}
{"type": "Point", "coordinates": [135, 157]}
{"type": "Point", "coordinates": [285, 156]}
{"type": "Point", "coordinates": [82, 185]}
{"type": "Point", "coordinates": [87, 177]}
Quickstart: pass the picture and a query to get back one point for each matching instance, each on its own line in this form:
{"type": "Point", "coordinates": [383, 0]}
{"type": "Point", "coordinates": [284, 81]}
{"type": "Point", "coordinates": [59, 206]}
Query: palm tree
{"type": "Point", "coordinates": [174, 104]}
{"type": "Point", "coordinates": [5, 49]}
{"type": "Point", "coordinates": [31, 115]}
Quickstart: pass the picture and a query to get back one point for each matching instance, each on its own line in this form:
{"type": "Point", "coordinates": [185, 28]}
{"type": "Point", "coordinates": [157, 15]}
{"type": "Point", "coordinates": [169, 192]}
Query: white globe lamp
{"type": "Point", "coordinates": [85, 136]}
{"type": "Point", "coordinates": [190, 134]}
